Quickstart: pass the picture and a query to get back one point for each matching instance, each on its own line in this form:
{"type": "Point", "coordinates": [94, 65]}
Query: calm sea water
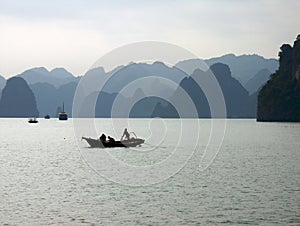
{"type": "Point", "coordinates": [46, 179]}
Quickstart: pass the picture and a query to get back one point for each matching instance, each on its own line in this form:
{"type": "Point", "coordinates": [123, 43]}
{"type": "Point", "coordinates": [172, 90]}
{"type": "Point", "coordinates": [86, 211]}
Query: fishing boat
{"type": "Point", "coordinates": [63, 115]}
{"type": "Point", "coordinates": [96, 143]}
{"type": "Point", "coordinates": [47, 117]}
{"type": "Point", "coordinates": [33, 120]}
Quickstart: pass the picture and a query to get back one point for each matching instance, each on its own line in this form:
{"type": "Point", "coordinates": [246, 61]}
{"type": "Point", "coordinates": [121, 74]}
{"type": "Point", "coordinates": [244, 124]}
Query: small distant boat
{"type": "Point", "coordinates": [96, 143]}
{"type": "Point", "coordinates": [47, 117]}
{"type": "Point", "coordinates": [63, 115]}
{"type": "Point", "coordinates": [33, 120]}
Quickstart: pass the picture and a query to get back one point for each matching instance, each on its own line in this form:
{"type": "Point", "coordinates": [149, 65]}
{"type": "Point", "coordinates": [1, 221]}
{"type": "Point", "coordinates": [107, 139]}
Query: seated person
{"type": "Point", "coordinates": [102, 138]}
{"type": "Point", "coordinates": [111, 140]}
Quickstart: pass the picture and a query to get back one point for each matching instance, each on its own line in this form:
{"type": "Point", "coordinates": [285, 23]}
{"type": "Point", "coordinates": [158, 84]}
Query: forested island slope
{"type": "Point", "coordinates": [279, 99]}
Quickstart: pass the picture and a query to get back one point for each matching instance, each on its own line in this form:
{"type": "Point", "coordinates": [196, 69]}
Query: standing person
{"type": "Point", "coordinates": [126, 134]}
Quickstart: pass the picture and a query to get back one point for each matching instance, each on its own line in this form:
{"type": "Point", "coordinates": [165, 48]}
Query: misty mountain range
{"type": "Point", "coordinates": [240, 77]}
{"type": "Point", "coordinates": [243, 68]}
{"type": "Point", "coordinates": [57, 77]}
{"type": "Point", "coordinates": [237, 100]}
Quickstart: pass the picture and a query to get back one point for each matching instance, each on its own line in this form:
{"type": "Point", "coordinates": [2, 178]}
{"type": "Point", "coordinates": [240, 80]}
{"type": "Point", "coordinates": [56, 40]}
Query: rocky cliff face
{"type": "Point", "coordinates": [17, 100]}
{"type": "Point", "coordinates": [279, 99]}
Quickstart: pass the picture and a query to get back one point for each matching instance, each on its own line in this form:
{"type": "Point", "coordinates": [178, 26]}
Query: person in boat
{"type": "Point", "coordinates": [111, 140]}
{"type": "Point", "coordinates": [102, 138]}
{"type": "Point", "coordinates": [126, 134]}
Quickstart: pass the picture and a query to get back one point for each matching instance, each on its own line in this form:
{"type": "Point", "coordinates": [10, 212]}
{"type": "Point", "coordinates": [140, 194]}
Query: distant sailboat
{"type": "Point", "coordinates": [63, 115]}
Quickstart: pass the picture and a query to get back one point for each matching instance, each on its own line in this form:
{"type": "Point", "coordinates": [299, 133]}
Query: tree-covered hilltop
{"type": "Point", "coordinates": [279, 99]}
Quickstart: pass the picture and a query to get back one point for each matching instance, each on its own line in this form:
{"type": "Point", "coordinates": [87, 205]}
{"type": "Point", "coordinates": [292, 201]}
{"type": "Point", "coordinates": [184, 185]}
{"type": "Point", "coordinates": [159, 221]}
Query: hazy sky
{"type": "Point", "coordinates": [75, 33]}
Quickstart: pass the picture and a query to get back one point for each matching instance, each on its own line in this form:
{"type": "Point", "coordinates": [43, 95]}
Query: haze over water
{"type": "Point", "coordinates": [253, 180]}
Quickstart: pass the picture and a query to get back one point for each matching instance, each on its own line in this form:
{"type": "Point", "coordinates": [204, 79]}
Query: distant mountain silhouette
{"type": "Point", "coordinates": [104, 105]}
{"type": "Point", "coordinates": [141, 109]}
{"type": "Point", "coordinates": [56, 77]}
{"type": "Point", "coordinates": [94, 77]}
{"type": "Point", "coordinates": [243, 67]}
{"type": "Point", "coordinates": [46, 98]}
{"type": "Point", "coordinates": [191, 87]}
{"type": "Point", "coordinates": [49, 98]}
{"type": "Point", "coordinates": [164, 109]}
{"type": "Point", "coordinates": [256, 82]}
{"type": "Point", "coordinates": [51, 88]}
{"type": "Point", "coordinates": [147, 107]}
{"type": "Point", "coordinates": [236, 96]}
{"type": "Point", "coordinates": [127, 74]}
{"type": "Point", "coordinates": [238, 103]}
{"type": "Point", "coordinates": [66, 94]}
{"type": "Point", "coordinates": [17, 99]}
{"type": "Point", "coordinates": [61, 73]}
{"type": "Point", "coordinates": [279, 99]}
{"type": "Point", "coordinates": [253, 104]}
{"type": "Point", "coordinates": [155, 76]}
{"type": "Point", "coordinates": [2, 82]}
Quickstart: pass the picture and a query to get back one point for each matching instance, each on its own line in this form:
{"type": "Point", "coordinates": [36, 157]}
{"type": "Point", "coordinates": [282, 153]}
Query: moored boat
{"type": "Point", "coordinates": [33, 120]}
{"type": "Point", "coordinates": [47, 117]}
{"type": "Point", "coordinates": [96, 143]}
{"type": "Point", "coordinates": [63, 115]}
